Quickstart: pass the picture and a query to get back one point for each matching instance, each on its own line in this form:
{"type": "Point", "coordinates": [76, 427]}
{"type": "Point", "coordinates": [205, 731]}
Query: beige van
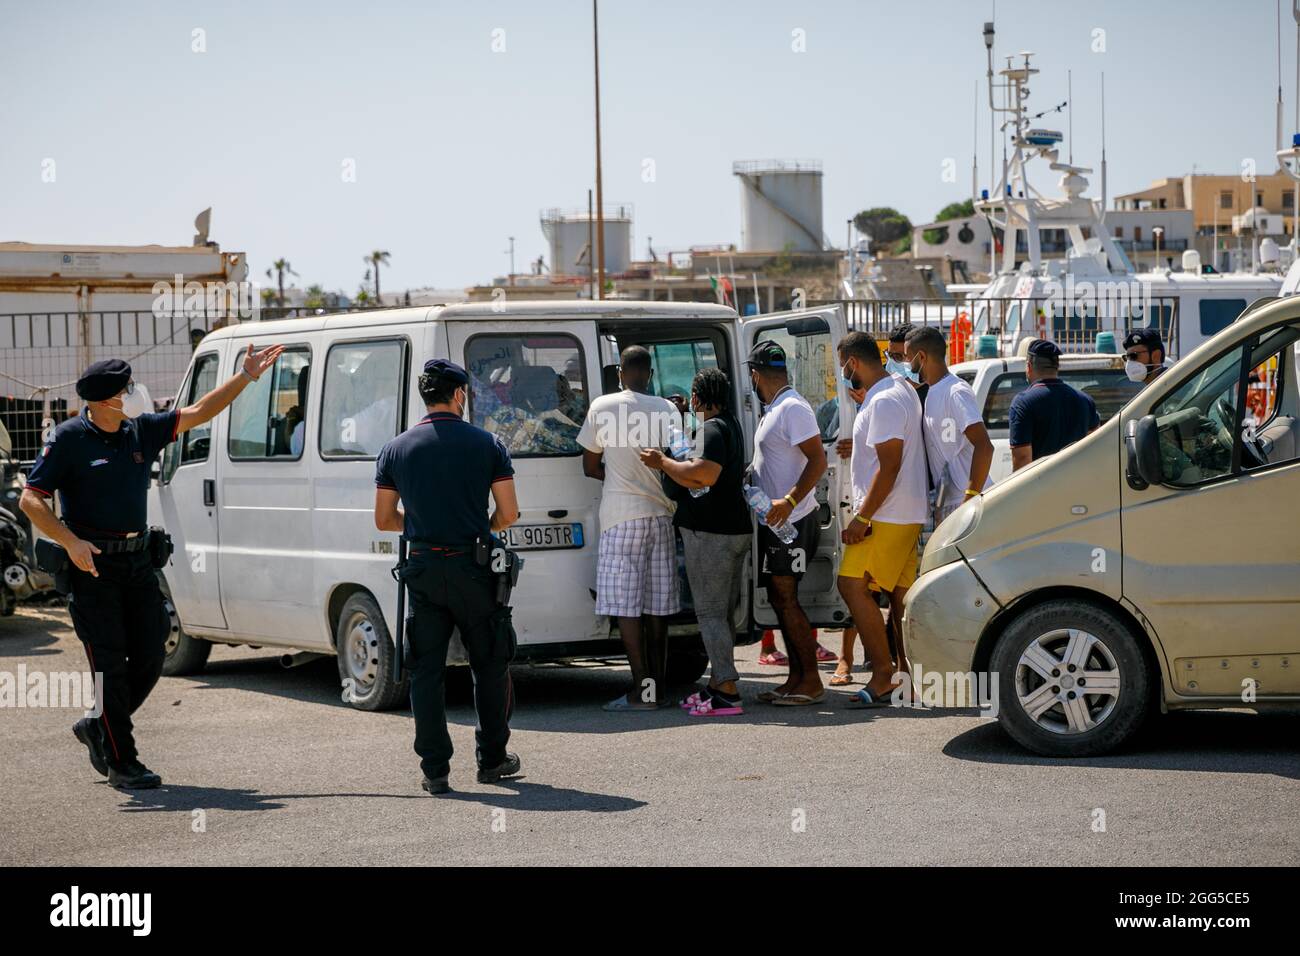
{"type": "Point", "coordinates": [1154, 563]}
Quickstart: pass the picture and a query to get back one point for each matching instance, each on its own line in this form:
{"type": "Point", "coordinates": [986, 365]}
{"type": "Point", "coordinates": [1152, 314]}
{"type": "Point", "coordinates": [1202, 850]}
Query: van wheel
{"type": "Point", "coordinates": [365, 656]}
{"type": "Point", "coordinates": [1072, 680]}
{"type": "Point", "coordinates": [182, 654]}
{"type": "Point", "coordinates": [686, 663]}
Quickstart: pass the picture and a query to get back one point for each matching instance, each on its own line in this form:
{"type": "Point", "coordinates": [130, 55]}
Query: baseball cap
{"type": "Point", "coordinates": [766, 354]}
{"type": "Point", "coordinates": [1147, 338]}
{"type": "Point", "coordinates": [1045, 350]}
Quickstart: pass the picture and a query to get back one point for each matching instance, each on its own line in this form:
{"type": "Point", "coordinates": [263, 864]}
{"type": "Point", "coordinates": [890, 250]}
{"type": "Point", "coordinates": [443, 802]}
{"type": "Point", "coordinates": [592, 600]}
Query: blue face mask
{"type": "Point", "coordinates": [894, 367]}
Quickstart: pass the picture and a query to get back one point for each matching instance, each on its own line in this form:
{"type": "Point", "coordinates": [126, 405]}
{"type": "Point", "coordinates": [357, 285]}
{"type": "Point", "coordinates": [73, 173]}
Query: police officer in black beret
{"type": "Point", "coordinates": [1049, 414]}
{"type": "Point", "coordinates": [1144, 356]}
{"type": "Point", "coordinates": [442, 471]}
{"type": "Point", "coordinates": [99, 462]}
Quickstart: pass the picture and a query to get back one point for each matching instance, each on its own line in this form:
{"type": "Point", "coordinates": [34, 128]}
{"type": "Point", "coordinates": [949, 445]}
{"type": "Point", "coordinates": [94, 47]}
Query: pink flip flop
{"type": "Point", "coordinates": [706, 708]}
{"type": "Point", "coordinates": [773, 659]}
{"type": "Point", "coordinates": [824, 656]}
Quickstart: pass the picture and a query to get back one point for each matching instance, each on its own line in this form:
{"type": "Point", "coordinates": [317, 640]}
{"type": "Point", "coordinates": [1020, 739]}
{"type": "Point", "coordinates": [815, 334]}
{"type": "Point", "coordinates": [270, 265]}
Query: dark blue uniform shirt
{"type": "Point", "coordinates": [443, 470]}
{"type": "Point", "coordinates": [103, 477]}
{"type": "Point", "coordinates": [1050, 415]}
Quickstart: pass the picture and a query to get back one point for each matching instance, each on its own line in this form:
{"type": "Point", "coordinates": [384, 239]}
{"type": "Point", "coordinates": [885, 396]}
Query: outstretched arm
{"type": "Point", "coordinates": [213, 403]}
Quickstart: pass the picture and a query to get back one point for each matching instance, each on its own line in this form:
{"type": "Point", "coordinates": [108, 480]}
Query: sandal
{"type": "Point", "coordinates": [697, 698]}
{"type": "Point", "coordinates": [799, 700]}
{"type": "Point", "coordinates": [824, 656]}
{"type": "Point", "coordinates": [768, 696]}
{"type": "Point", "coordinates": [718, 706]}
{"type": "Point", "coordinates": [839, 679]}
{"type": "Point", "coordinates": [866, 699]}
{"type": "Point", "coordinates": [774, 659]}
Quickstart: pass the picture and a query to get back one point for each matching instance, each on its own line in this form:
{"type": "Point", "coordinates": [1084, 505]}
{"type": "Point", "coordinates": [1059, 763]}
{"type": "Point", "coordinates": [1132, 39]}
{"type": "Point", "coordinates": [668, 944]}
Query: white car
{"type": "Point", "coordinates": [997, 381]}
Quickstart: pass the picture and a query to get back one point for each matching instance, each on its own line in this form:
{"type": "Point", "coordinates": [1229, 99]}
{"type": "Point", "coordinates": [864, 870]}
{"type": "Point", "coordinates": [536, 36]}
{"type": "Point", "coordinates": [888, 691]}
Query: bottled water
{"type": "Point", "coordinates": [762, 504]}
{"type": "Point", "coordinates": [680, 448]}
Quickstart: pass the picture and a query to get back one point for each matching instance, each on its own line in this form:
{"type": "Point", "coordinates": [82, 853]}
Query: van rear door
{"type": "Point", "coordinates": [530, 384]}
{"type": "Point", "coordinates": [809, 337]}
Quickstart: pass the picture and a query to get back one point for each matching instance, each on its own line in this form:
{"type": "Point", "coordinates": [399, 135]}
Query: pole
{"type": "Point", "coordinates": [400, 643]}
{"type": "Point", "coordinates": [591, 248]}
{"type": "Point", "coordinates": [600, 193]}
{"type": "Point", "coordinates": [512, 260]}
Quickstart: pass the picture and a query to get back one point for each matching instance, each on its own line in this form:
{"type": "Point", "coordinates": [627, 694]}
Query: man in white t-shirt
{"type": "Point", "coordinates": [957, 442]}
{"type": "Point", "coordinates": [789, 460]}
{"type": "Point", "coordinates": [889, 504]}
{"type": "Point", "coordinates": [636, 564]}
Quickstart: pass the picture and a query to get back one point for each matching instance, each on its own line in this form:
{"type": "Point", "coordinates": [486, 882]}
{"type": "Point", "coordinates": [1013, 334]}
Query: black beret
{"type": "Point", "coordinates": [441, 368]}
{"type": "Point", "coordinates": [1045, 349]}
{"type": "Point", "coordinates": [103, 380]}
{"type": "Point", "coordinates": [1148, 338]}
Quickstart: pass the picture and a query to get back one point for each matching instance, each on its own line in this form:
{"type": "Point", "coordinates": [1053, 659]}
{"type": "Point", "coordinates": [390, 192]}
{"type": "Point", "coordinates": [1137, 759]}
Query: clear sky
{"type": "Point", "coordinates": [457, 146]}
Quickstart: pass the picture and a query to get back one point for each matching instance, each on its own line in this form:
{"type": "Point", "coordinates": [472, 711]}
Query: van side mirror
{"type": "Point", "coordinates": [1142, 442]}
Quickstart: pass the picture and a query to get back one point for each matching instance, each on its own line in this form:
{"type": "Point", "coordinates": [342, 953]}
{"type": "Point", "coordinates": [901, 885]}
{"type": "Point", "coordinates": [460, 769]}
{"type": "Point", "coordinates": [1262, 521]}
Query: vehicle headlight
{"type": "Point", "coordinates": [958, 524]}
{"type": "Point", "coordinates": [941, 549]}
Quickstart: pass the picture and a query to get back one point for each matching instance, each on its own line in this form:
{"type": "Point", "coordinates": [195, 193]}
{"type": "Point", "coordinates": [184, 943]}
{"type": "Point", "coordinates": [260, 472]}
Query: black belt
{"type": "Point", "coordinates": [122, 545]}
{"type": "Point", "coordinates": [448, 549]}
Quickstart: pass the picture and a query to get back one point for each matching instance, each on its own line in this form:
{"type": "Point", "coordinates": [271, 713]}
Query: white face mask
{"type": "Point", "coordinates": [136, 402]}
{"type": "Point", "coordinates": [1136, 371]}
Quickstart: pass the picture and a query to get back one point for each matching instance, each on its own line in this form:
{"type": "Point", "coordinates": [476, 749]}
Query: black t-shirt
{"type": "Point", "coordinates": [102, 478]}
{"type": "Point", "coordinates": [443, 470]}
{"type": "Point", "coordinates": [723, 509]}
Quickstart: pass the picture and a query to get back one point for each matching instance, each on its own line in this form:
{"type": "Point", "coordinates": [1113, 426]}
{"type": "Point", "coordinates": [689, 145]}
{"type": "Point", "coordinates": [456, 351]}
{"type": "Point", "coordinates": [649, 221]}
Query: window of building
{"type": "Point", "coordinates": [1217, 314]}
{"type": "Point", "coordinates": [1137, 233]}
{"type": "Point", "coordinates": [362, 403]}
{"type": "Point", "coordinates": [265, 415]}
{"type": "Point", "coordinates": [1225, 199]}
{"type": "Point", "coordinates": [1119, 232]}
{"type": "Point", "coordinates": [1288, 199]}
{"type": "Point", "coordinates": [530, 390]}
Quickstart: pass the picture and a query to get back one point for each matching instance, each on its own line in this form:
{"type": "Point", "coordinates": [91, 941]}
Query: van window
{"type": "Point", "coordinates": [676, 363]}
{"type": "Point", "coordinates": [814, 373]}
{"type": "Point", "coordinates": [361, 397]}
{"type": "Point", "coordinates": [193, 445]}
{"type": "Point", "coordinates": [967, 377]}
{"type": "Point", "coordinates": [1218, 314]}
{"type": "Point", "coordinates": [266, 414]}
{"type": "Point", "coordinates": [195, 442]}
{"type": "Point", "coordinates": [530, 390]}
{"type": "Point", "coordinates": [1196, 421]}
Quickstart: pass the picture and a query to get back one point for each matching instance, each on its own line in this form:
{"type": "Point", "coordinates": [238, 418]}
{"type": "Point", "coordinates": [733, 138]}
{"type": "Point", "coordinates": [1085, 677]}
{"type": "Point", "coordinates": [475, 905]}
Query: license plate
{"type": "Point", "coordinates": [538, 537]}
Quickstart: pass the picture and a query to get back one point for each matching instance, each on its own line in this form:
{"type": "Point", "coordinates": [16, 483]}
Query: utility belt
{"type": "Point", "coordinates": [487, 553]}
{"type": "Point", "coordinates": [52, 557]}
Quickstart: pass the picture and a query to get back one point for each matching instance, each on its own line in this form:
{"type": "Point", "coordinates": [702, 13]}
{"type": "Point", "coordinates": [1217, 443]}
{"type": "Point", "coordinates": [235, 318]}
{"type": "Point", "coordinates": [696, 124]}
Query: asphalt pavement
{"type": "Point", "coordinates": [268, 766]}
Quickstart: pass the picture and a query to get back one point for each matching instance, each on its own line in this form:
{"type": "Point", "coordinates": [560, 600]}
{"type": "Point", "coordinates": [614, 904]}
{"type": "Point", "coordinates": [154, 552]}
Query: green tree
{"type": "Point", "coordinates": [280, 267]}
{"type": "Point", "coordinates": [374, 260]}
{"type": "Point", "coordinates": [315, 296]}
{"type": "Point", "coordinates": [884, 226]}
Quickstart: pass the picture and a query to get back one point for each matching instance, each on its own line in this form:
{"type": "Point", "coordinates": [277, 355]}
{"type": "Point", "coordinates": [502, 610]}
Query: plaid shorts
{"type": "Point", "coordinates": [636, 569]}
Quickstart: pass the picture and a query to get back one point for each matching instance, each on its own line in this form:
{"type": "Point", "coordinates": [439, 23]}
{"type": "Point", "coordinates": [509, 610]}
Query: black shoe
{"type": "Point", "coordinates": [506, 768]}
{"type": "Point", "coordinates": [88, 732]}
{"type": "Point", "coordinates": [133, 776]}
{"type": "Point", "coordinates": [436, 785]}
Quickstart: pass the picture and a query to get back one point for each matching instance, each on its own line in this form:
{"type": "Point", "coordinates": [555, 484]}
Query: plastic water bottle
{"type": "Point", "coordinates": [762, 504]}
{"type": "Point", "coordinates": [680, 448]}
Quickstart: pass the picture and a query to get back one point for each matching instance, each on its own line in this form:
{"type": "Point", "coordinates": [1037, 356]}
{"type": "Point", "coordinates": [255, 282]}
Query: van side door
{"type": "Point", "coordinates": [1211, 557]}
{"type": "Point", "coordinates": [810, 338]}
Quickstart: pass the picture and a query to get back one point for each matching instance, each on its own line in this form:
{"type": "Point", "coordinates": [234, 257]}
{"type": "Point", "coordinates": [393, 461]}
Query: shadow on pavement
{"type": "Point", "coordinates": [1199, 741]}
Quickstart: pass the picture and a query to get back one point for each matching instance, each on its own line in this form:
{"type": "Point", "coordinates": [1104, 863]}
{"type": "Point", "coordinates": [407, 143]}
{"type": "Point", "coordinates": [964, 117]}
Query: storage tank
{"type": "Point", "coordinates": [780, 205]}
{"type": "Point", "coordinates": [568, 234]}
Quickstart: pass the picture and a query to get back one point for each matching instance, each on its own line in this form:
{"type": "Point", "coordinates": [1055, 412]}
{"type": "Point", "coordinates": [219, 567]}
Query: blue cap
{"type": "Point", "coordinates": [1147, 338]}
{"type": "Point", "coordinates": [1045, 349]}
{"type": "Point", "coordinates": [103, 379]}
{"type": "Point", "coordinates": [441, 368]}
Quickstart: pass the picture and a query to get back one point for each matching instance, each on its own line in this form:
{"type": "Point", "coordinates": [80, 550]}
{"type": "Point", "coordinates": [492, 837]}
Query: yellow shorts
{"type": "Point", "coordinates": [888, 555]}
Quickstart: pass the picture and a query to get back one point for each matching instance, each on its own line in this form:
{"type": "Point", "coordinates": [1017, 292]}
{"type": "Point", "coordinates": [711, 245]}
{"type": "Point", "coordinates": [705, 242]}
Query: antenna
{"type": "Point", "coordinates": [1279, 78]}
{"type": "Point", "coordinates": [974, 149]}
{"type": "Point", "coordinates": [1103, 148]}
{"type": "Point", "coordinates": [1069, 101]}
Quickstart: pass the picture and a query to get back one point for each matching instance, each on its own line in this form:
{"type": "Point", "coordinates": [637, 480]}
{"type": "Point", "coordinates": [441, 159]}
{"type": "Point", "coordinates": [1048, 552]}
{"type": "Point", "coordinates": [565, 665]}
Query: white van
{"type": "Point", "coordinates": [270, 506]}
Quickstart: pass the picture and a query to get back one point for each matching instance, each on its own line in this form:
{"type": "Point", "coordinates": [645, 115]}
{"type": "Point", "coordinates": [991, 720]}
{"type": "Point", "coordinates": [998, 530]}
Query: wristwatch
{"type": "Point", "coordinates": [790, 498]}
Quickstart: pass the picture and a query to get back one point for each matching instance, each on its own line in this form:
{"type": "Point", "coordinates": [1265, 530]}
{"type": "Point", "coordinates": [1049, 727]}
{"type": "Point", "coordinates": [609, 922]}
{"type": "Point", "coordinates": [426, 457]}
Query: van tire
{"type": "Point", "coordinates": [1116, 649]}
{"type": "Point", "coordinates": [687, 662]}
{"type": "Point", "coordinates": [365, 656]}
{"type": "Point", "coordinates": [182, 654]}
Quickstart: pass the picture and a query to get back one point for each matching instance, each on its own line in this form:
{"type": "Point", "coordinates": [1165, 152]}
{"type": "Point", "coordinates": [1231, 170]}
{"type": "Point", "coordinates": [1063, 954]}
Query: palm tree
{"type": "Point", "coordinates": [315, 296]}
{"type": "Point", "coordinates": [280, 267]}
{"type": "Point", "coordinates": [374, 260]}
